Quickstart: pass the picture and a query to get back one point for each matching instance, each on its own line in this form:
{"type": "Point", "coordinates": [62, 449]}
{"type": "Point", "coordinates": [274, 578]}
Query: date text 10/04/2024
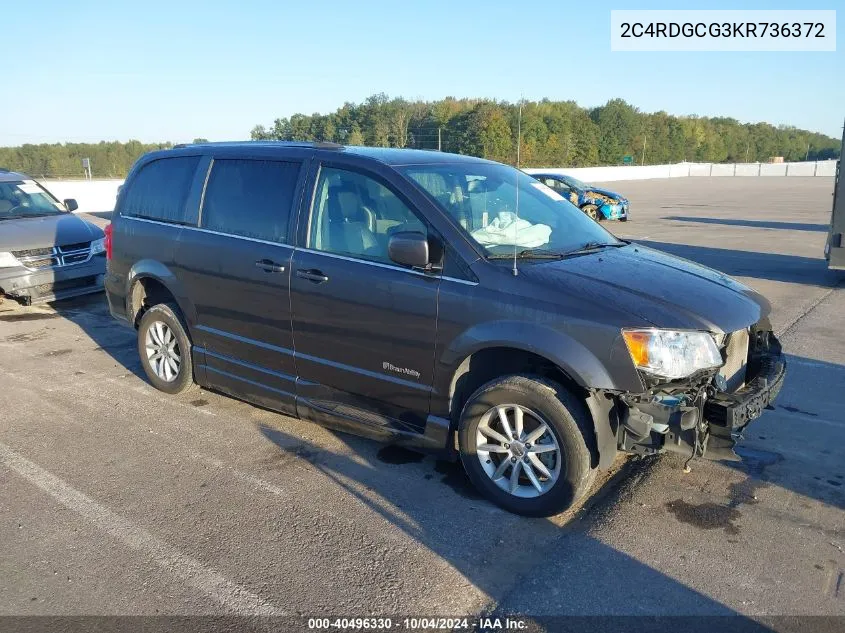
{"type": "Point", "coordinates": [420, 623]}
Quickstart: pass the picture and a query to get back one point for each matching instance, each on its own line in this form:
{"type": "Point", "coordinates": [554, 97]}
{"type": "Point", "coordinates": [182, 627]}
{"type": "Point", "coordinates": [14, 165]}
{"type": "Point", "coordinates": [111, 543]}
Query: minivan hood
{"type": "Point", "coordinates": [664, 290]}
{"type": "Point", "coordinates": [43, 232]}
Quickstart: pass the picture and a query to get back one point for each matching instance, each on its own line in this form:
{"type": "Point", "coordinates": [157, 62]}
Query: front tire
{"type": "Point", "coordinates": [591, 211]}
{"type": "Point", "coordinates": [525, 445]}
{"type": "Point", "coordinates": [165, 349]}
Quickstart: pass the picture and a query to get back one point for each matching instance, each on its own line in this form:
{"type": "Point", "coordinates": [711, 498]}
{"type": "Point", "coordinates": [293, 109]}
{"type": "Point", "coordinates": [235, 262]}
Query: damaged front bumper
{"type": "Point", "coordinates": [735, 410]}
{"type": "Point", "coordinates": [615, 210]}
{"type": "Point", "coordinates": [50, 284]}
{"type": "Point", "coordinates": [700, 417]}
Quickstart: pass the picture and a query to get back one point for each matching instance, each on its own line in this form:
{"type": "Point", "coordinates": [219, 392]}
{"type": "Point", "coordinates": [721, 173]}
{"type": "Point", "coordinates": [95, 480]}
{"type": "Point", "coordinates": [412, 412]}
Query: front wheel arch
{"type": "Point", "coordinates": [489, 364]}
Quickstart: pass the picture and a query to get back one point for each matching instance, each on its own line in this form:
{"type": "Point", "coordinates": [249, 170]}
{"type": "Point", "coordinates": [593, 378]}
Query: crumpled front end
{"type": "Point", "coordinates": [611, 207]}
{"type": "Point", "coordinates": [51, 273]}
{"type": "Point", "coordinates": [704, 415]}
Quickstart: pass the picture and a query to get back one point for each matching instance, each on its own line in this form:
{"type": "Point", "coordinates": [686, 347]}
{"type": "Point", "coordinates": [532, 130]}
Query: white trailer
{"type": "Point", "coordinates": [834, 251]}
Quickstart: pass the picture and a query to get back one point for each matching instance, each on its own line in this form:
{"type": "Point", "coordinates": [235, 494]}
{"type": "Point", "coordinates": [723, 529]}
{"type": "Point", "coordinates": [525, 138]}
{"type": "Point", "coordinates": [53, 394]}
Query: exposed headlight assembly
{"type": "Point", "coordinates": [98, 246]}
{"type": "Point", "coordinates": [7, 260]}
{"type": "Point", "coordinates": [672, 354]}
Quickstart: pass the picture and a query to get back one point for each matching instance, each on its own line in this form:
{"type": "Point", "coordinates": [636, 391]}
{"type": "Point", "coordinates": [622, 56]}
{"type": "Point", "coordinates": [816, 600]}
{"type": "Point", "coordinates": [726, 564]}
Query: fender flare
{"type": "Point", "coordinates": [573, 359]}
{"type": "Point", "coordinates": [151, 269]}
{"type": "Point", "coordinates": [606, 424]}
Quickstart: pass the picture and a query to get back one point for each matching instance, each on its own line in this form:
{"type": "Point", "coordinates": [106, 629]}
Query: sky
{"type": "Point", "coordinates": [85, 71]}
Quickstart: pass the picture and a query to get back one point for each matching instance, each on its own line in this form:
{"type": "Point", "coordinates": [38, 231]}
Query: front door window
{"type": "Point", "coordinates": [355, 215]}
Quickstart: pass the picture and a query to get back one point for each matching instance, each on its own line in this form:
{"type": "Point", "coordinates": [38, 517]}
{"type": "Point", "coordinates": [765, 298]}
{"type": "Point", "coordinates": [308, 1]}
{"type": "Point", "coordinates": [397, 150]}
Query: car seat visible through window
{"type": "Point", "coordinates": [356, 215]}
{"type": "Point", "coordinates": [348, 227]}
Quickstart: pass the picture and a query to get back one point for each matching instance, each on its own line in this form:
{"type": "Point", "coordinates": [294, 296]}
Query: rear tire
{"type": "Point", "coordinates": [565, 470]}
{"type": "Point", "coordinates": [165, 349]}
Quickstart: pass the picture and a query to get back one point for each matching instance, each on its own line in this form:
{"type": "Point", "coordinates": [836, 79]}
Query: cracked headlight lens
{"type": "Point", "coordinates": [672, 354]}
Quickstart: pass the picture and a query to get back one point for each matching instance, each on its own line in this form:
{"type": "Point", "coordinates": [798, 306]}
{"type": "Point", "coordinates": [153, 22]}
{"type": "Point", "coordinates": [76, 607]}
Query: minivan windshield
{"type": "Point", "coordinates": [506, 211]}
{"type": "Point", "coordinates": [26, 199]}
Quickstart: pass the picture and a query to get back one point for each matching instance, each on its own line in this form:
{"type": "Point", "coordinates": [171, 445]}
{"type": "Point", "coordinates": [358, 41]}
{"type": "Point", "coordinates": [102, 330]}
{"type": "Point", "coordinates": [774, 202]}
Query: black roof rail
{"type": "Point", "coordinates": [314, 144]}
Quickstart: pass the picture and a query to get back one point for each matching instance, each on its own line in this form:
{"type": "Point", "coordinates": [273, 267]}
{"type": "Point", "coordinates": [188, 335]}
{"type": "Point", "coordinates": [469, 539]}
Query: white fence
{"type": "Point", "coordinates": [93, 196]}
{"type": "Point", "coordinates": [685, 170]}
{"type": "Point", "coordinates": [96, 196]}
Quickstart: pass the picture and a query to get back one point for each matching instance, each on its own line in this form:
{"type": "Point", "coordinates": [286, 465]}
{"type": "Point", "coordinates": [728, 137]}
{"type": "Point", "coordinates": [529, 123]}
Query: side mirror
{"type": "Point", "coordinates": [409, 248]}
{"type": "Point", "coordinates": [71, 204]}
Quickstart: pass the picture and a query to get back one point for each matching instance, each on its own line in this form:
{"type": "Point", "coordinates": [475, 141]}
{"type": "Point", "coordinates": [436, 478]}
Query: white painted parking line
{"type": "Point", "coordinates": [232, 596]}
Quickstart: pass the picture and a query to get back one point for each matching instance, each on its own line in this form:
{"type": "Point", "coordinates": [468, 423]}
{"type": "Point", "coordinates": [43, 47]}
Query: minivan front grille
{"type": "Point", "coordinates": [36, 262]}
{"type": "Point", "coordinates": [33, 251]}
{"type": "Point", "coordinates": [74, 253]}
{"type": "Point", "coordinates": [79, 246]}
{"type": "Point", "coordinates": [736, 360]}
{"type": "Point", "coordinates": [54, 257]}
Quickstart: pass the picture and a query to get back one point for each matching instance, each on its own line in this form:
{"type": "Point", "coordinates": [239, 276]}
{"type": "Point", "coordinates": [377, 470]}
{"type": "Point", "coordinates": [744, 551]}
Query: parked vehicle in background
{"type": "Point", "coordinates": [834, 251]}
{"type": "Point", "coordinates": [46, 252]}
{"type": "Point", "coordinates": [446, 303]}
{"type": "Point", "coordinates": [597, 203]}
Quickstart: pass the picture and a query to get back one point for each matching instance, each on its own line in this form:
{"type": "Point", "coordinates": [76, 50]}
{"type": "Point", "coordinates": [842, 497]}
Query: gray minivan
{"type": "Point", "coordinates": [46, 252]}
{"type": "Point", "coordinates": [445, 303]}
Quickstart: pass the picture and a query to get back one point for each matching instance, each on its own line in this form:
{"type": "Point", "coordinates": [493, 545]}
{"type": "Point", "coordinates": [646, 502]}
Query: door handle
{"type": "Point", "coordinates": [316, 276]}
{"type": "Point", "coordinates": [269, 266]}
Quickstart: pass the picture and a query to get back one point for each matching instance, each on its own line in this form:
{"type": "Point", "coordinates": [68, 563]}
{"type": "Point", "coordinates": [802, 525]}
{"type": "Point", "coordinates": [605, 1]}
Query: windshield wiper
{"type": "Point", "coordinates": [20, 216]}
{"type": "Point", "coordinates": [539, 253]}
{"type": "Point", "coordinates": [528, 253]}
{"type": "Point", "coordinates": [591, 247]}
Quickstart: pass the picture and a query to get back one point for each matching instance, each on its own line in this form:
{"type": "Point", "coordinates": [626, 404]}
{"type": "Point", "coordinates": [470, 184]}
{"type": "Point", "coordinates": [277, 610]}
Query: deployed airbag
{"type": "Point", "coordinates": [507, 229]}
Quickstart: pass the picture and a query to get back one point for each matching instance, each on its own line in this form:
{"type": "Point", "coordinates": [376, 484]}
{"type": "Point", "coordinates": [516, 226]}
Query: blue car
{"type": "Point", "coordinates": [599, 204]}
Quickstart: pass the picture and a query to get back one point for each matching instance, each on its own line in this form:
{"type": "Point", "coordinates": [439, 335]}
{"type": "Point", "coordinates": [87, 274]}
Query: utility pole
{"type": "Point", "coordinates": [438, 138]}
{"type": "Point", "coordinates": [645, 138]}
{"type": "Point", "coordinates": [807, 155]}
{"type": "Point", "coordinates": [747, 148]}
{"type": "Point", "coordinates": [519, 131]}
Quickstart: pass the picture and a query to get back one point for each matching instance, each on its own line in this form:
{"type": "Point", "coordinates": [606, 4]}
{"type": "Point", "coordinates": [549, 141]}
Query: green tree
{"type": "Point", "coordinates": [355, 136]}
{"type": "Point", "coordinates": [554, 134]}
{"type": "Point", "coordinates": [618, 124]}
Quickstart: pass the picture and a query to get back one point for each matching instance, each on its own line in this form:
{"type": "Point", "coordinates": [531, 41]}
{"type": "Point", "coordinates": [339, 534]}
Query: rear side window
{"type": "Point", "coordinates": [252, 198]}
{"type": "Point", "coordinates": [160, 190]}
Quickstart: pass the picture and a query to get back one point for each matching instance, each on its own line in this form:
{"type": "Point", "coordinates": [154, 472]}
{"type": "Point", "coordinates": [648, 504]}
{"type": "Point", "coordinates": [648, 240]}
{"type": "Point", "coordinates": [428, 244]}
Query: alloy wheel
{"type": "Point", "coordinates": [518, 450]}
{"type": "Point", "coordinates": [163, 352]}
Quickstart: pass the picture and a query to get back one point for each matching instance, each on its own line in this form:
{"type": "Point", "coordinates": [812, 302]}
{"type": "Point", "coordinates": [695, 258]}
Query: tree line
{"type": "Point", "coordinates": [553, 133]}
{"type": "Point", "coordinates": [64, 160]}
